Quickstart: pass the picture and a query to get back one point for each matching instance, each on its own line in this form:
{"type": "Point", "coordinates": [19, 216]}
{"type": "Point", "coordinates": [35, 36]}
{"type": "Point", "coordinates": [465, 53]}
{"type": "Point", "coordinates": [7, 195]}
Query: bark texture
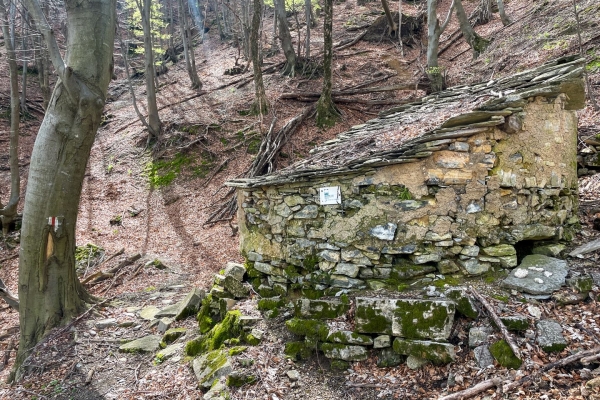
{"type": "Point", "coordinates": [477, 43]}
{"type": "Point", "coordinates": [326, 111]}
{"type": "Point", "coordinates": [188, 49]}
{"type": "Point", "coordinates": [9, 212]}
{"type": "Point", "coordinates": [286, 39]}
{"type": "Point", "coordinates": [153, 118]}
{"type": "Point", "coordinates": [261, 104]}
{"type": "Point", "coordinates": [434, 31]}
{"type": "Point", "coordinates": [49, 291]}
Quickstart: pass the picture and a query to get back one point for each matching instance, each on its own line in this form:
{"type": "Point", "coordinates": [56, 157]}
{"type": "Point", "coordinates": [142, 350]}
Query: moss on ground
{"type": "Point", "coordinates": [502, 352]}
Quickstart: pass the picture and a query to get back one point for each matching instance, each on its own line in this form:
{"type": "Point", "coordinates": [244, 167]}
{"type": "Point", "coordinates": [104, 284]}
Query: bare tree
{"type": "Point", "coordinates": [505, 19]}
{"type": "Point", "coordinates": [391, 23]}
{"type": "Point", "coordinates": [308, 18]}
{"type": "Point", "coordinates": [188, 49]}
{"type": "Point", "coordinates": [477, 43]}
{"type": "Point", "coordinates": [286, 38]}
{"type": "Point", "coordinates": [9, 212]}
{"type": "Point", "coordinates": [51, 295]}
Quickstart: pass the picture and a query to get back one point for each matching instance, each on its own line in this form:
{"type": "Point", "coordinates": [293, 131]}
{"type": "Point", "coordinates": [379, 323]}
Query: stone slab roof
{"type": "Point", "coordinates": [414, 131]}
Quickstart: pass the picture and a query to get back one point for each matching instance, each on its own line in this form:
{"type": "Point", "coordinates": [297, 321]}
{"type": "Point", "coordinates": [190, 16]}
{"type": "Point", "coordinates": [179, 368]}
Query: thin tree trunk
{"type": "Point", "coordinates": [477, 43]}
{"type": "Point", "coordinates": [188, 51]}
{"type": "Point", "coordinates": [24, 80]}
{"type": "Point", "coordinates": [434, 30]}
{"type": "Point", "coordinates": [326, 111]}
{"type": "Point", "coordinates": [286, 39]}
{"type": "Point", "coordinates": [51, 294]}
{"type": "Point", "coordinates": [485, 12]}
{"type": "Point", "coordinates": [9, 212]}
{"type": "Point", "coordinates": [400, 28]}
{"type": "Point", "coordinates": [505, 19]}
{"type": "Point", "coordinates": [307, 9]}
{"type": "Point", "coordinates": [261, 104]}
{"type": "Point", "coordinates": [391, 23]}
{"type": "Point", "coordinates": [153, 118]}
{"type": "Point", "coordinates": [274, 47]}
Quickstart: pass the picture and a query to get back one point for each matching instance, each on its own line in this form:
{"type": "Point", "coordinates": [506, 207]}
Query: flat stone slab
{"type": "Point", "coordinates": [170, 351]}
{"type": "Point", "coordinates": [146, 344]}
{"type": "Point", "coordinates": [408, 318]}
{"type": "Point", "coordinates": [168, 311]}
{"type": "Point", "coordinates": [190, 304]}
{"type": "Point", "coordinates": [344, 352]}
{"type": "Point", "coordinates": [538, 274]}
{"type": "Point", "coordinates": [149, 312]}
{"type": "Point", "coordinates": [349, 337]}
{"type": "Point", "coordinates": [320, 309]}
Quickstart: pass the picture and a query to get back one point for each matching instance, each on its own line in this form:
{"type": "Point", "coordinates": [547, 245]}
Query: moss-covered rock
{"type": "Point", "coordinates": [209, 367]}
{"type": "Point", "coordinates": [171, 335]}
{"type": "Point", "coordinates": [408, 318]}
{"type": "Point", "coordinates": [229, 328]}
{"type": "Point", "coordinates": [387, 357]}
{"type": "Point", "coordinates": [190, 304]}
{"type": "Point", "coordinates": [550, 337]}
{"type": "Point", "coordinates": [502, 352]}
{"type": "Point", "coordinates": [234, 351]}
{"type": "Point", "coordinates": [436, 352]}
{"type": "Point", "coordinates": [208, 315]}
{"type": "Point", "coordinates": [349, 337]}
{"type": "Point", "coordinates": [146, 344]}
{"type": "Point", "coordinates": [339, 365]}
{"type": "Point", "coordinates": [515, 322]}
{"type": "Point", "coordinates": [298, 350]}
{"type": "Point", "coordinates": [581, 283]}
{"type": "Point", "coordinates": [313, 329]}
{"type": "Point", "coordinates": [320, 309]}
{"type": "Point", "coordinates": [271, 303]}
{"type": "Point", "coordinates": [344, 352]}
{"type": "Point", "coordinates": [239, 379]}
{"type": "Point", "coordinates": [464, 304]}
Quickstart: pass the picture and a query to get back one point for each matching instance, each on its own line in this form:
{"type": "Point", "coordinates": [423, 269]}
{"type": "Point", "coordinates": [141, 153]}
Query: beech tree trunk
{"type": "Point", "coordinates": [391, 23]}
{"type": "Point", "coordinates": [9, 212]}
{"type": "Point", "coordinates": [153, 118]}
{"type": "Point", "coordinates": [261, 104]}
{"type": "Point", "coordinates": [505, 19]}
{"type": "Point", "coordinates": [307, 12]}
{"type": "Point", "coordinates": [286, 39]}
{"type": "Point", "coordinates": [477, 43]}
{"type": "Point", "coordinates": [49, 292]}
{"type": "Point", "coordinates": [24, 76]}
{"type": "Point", "coordinates": [434, 31]}
{"type": "Point", "coordinates": [326, 111]}
{"type": "Point", "coordinates": [188, 49]}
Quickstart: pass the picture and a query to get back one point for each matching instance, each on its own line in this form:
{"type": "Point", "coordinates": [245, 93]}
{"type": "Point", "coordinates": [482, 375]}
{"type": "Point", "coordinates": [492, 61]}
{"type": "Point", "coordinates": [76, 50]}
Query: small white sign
{"type": "Point", "coordinates": [330, 195]}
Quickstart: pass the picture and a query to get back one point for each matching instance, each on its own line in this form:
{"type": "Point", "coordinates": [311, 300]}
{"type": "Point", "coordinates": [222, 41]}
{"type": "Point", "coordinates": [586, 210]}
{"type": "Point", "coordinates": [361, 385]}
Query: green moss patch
{"type": "Point", "coordinates": [229, 328]}
{"type": "Point", "coordinates": [308, 327]}
{"type": "Point", "coordinates": [502, 352]}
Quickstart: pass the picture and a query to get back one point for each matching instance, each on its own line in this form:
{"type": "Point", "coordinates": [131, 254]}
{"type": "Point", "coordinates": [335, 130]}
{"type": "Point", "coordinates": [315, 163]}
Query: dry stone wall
{"type": "Point", "coordinates": [462, 208]}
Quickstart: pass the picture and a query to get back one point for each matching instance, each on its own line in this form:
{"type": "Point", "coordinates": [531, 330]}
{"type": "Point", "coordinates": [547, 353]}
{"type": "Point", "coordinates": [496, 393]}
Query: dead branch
{"type": "Point", "coordinates": [497, 321]}
{"type": "Point", "coordinates": [103, 275]}
{"type": "Point", "coordinates": [8, 297]}
{"type": "Point", "coordinates": [342, 45]}
{"type": "Point", "coordinates": [9, 258]}
{"type": "Point", "coordinates": [216, 171]}
{"type": "Point", "coordinates": [488, 384]}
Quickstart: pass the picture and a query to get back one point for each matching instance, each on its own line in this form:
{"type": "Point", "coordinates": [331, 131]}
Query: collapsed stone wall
{"type": "Point", "coordinates": [462, 208]}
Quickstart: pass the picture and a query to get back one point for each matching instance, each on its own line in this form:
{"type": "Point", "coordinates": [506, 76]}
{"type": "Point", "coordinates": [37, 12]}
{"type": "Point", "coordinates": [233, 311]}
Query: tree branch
{"type": "Point", "coordinates": [8, 297]}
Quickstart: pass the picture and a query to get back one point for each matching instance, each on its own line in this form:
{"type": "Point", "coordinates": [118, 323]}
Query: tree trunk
{"type": "Point", "coordinates": [24, 80]}
{"type": "Point", "coordinates": [505, 20]}
{"type": "Point", "coordinates": [477, 43]}
{"type": "Point", "coordinates": [9, 212]}
{"type": "Point", "coordinates": [400, 28]}
{"type": "Point", "coordinates": [326, 111]}
{"type": "Point", "coordinates": [49, 292]}
{"type": "Point", "coordinates": [307, 9]}
{"type": "Point", "coordinates": [286, 39]}
{"type": "Point", "coordinates": [188, 50]}
{"type": "Point", "coordinates": [485, 12]}
{"type": "Point", "coordinates": [261, 104]}
{"type": "Point", "coordinates": [434, 30]}
{"type": "Point", "coordinates": [391, 23]}
{"type": "Point", "coordinates": [153, 119]}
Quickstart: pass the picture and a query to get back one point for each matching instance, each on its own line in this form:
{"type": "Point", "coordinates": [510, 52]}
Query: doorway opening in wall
{"type": "Point", "coordinates": [524, 248]}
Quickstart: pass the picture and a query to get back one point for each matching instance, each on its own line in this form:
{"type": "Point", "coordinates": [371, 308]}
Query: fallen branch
{"type": "Point", "coordinates": [9, 258]}
{"type": "Point", "coordinates": [488, 384]}
{"type": "Point", "coordinates": [103, 275]}
{"type": "Point", "coordinates": [8, 297]}
{"type": "Point", "coordinates": [342, 45]}
{"type": "Point", "coordinates": [498, 322]}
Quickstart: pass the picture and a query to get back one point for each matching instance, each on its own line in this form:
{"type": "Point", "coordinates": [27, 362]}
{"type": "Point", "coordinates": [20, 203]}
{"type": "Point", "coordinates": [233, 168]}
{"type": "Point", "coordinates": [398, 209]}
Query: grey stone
{"type": "Point", "coordinates": [105, 323]}
{"type": "Point", "coordinates": [343, 281]}
{"type": "Point", "coordinates": [319, 309]}
{"type": "Point", "coordinates": [164, 324]}
{"type": "Point", "coordinates": [410, 318]}
{"type": "Point", "coordinates": [508, 261]}
{"type": "Point", "coordinates": [415, 362]}
{"type": "Point", "coordinates": [478, 335]}
{"type": "Point", "coordinates": [190, 304]}
{"type": "Point", "coordinates": [387, 357]}
{"type": "Point", "coordinates": [209, 367]}
{"type": "Point", "coordinates": [483, 357]}
{"type": "Point", "coordinates": [473, 266]}
{"type": "Point", "coordinates": [382, 341]}
{"type": "Point", "coordinates": [384, 232]}
{"type": "Point", "coordinates": [549, 336]}
{"type": "Point", "coordinates": [408, 249]}
{"type": "Point", "coordinates": [356, 257]}
{"type": "Point", "coordinates": [474, 208]}
{"type": "Point", "coordinates": [218, 391]}
{"type": "Point", "coordinates": [330, 255]}
{"type": "Point", "coordinates": [327, 246]}
{"type": "Point", "coordinates": [409, 205]}
{"type": "Point", "coordinates": [308, 212]}
{"type": "Point", "coordinates": [293, 375]}
{"type": "Point", "coordinates": [149, 312]}
{"type": "Point", "coordinates": [499, 250]}
{"type": "Point", "coordinates": [366, 273]}
{"type": "Point", "coordinates": [464, 303]}
{"type": "Point", "coordinates": [586, 248]}
{"type": "Point", "coordinates": [268, 269]}
{"type": "Point", "coordinates": [295, 230]}
{"type": "Point", "coordinates": [235, 287]}
{"type": "Point", "coordinates": [550, 250]}
{"type": "Point", "coordinates": [382, 273]}
{"type": "Point", "coordinates": [425, 258]}
{"type": "Point", "coordinates": [447, 267]}
{"type": "Point", "coordinates": [581, 283]}
{"type": "Point", "coordinates": [459, 146]}
{"type": "Point", "coordinates": [253, 256]}
{"type": "Point", "coordinates": [349, 337]}
{"type": "Point", "coordinates": [170, 351]}
{"type": "Point", "coordinates": [282, 210]}
{"type": "Point", "coordinates": [470, 251]}
{"type": "Point", "coordinates": [347, 269]}
{"type": "Point", "coordinates": [534, 232]}
{"type": "Point", "coordinates": [294, 200]}
{"type": "Point", "coordinates": [146, 344]}
{"type": "Point", "coordinates": [247, 320]}
{"type": "Point", "coordinates": [436, 352]}
{"type": "Point", "coordinates": [235, 270]}
{"type": "Point", "coordinates": [434, 237]}
{"type": "Point", "coordinates": [541, 275]}
{"type": "Point", "coordinates": [344, 352]}
{"type": "Point", "coordinates": [168, 311]}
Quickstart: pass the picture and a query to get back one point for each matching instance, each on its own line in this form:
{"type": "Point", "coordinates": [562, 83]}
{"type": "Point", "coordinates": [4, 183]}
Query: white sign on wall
{"type": "Point", "coordinates": [330, 195]}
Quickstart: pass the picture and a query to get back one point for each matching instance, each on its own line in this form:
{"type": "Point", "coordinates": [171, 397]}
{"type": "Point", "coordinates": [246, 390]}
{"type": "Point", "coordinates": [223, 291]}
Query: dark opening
{"type": "Point", "coordinates": [524, 248]}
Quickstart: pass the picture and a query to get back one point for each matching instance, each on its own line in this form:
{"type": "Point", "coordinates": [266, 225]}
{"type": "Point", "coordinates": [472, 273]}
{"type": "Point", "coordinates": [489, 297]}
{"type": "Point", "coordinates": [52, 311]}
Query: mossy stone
{"type": "Point", "coordinates": [308, 327]}
{"type": "Point", "coordinates": [208, 315]}
{"type": "Point", "coordinates": [344, 352]}
{"type": "Point", "coordinates": [239, 379]}
{"type": "Point", "coordinates": [515, 322]}
{"type": "Point", "coordinates": [234, 351]}
{"type": "Point", "coordinates": [271, 303]}
{"type": "Point", "coordinates": [146, 344]}
{"type": "Point", "coordinates": [229, 328]}
{"type": "Point", "coordinates": [320, 309]}
{"type": "Point", "coordinates": [349, 337]}
{"type": "Point", "coordinates": [298, 350]}
{"type": "Point", "coordinates": [436, 352]}
{"type": "Point", "coordinates": [171, 335]}
{"type": "Point", "coordinates": [339, 365]}
{"type": "Point", "coordinates": [502, 352]}
{"type": "Point", "coordinates": [210, 366]}
{"type": "Point", "coordinates": [312, 294]}
{"type": "Point", "coordinates": [464, 304]}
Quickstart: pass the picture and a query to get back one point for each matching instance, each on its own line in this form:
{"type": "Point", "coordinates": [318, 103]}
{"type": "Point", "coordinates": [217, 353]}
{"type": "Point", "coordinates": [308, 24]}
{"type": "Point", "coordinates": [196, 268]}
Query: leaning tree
{"type": "Point", "coordinates": [49, 292]}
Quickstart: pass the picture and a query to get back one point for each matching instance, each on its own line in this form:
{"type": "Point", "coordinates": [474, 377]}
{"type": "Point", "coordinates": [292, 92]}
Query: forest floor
{"type": "Point", "coordinates": [155, 202]}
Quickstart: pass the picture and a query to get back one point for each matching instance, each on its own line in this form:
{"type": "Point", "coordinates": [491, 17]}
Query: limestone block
{"type": "Point", "coordinates": [293, 200]}
{"type": "Point", "coordinates": [408, 249]}
{"type": "Point", "coordinates": [235, 270]}
{"type": "Point", "coordinates": [499, 250]}
{"type": "Point", "coordinates": [347, 269]}
{"type": "Point", "coordinates": [384, 232]}
{"type": "Point", "coordinates": [319, 309]}
{"type": "Point", "coordinates": [211, 366]}
{"type": "Point", "coordinates": [308, 212]}
{"type": "Point", "coordinates": [549, 336]}
{"type": "Point", "coordinates": [330, 255]}
{"type": "Point", "coordinates": [436, 352]}
{"type": "Point", "coordinates": [349, 337]}
{"type": "Point", "coordinates": [425, 258]}
{"type": "Point", "coordinates": [382, 341]}
{"type": "Point", "coordinates": [356, 257]}
{"type": "Point", "coordinates": [409, 318]}
{"type": "Point", "coordinates": [344, 351]}
{"type": "Point", "coordinates": [268, 269]}
{"type": "Point", "coordinates": [146, 344]}
{"type": "Point", "coordinates": [472, 266]}
{"type": "Point", "coordinates": [447, 266]}
{"type": "Point", "coordinates": [343, 281]}
{"type": "Point", "coordinates": [537, 274]}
